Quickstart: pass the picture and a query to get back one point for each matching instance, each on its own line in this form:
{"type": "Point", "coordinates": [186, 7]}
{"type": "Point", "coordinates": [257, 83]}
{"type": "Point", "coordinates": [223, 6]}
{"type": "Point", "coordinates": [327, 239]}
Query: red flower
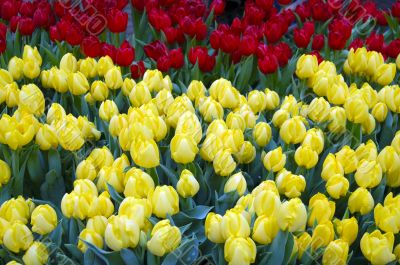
{"type": "Point", "coordinates": [139, 4]}
{"type": "Point", "coordinates": [229, 43]}
{"type": "Point", "coordinates": [274, 29]}
{"type": "Point", "coordinates": [380, 17]}
{"type": "Point", "coordinates": [341, 25]}
{"type": "Point", "coordinates": [318, 42]}
{"type": "Point", "coordinates": [253, 14]}
{"type": "Point", "coordinates": [91, 46]}
{"type": "Point", "coordinates": [117, 20]}
{"type": "Point", "coordinates": [265, 4]}
{"type": "Point", "coordinates": [320, 11]}
{"type": "Point", "coordinates": [159, 19]}
{"type": "Point", "coordinates": [301, 38]}
{"type": "Point", "coordinates": [9, 9]}
{"type": "Point", "coordinates": [336, 40]}
{"type": "Point", "coordinates": [3, 31]}
{"type": "Point", "coordinates": [14, 23]}
{"type": "Point", "coordinates": [109, 49]}
{"type": "Point", "coordinates": [236, 26]}
{"type": "Point", "coordinates": [215, 39]}
{"type": "Point", "coordinates": [356, 43]}
{"type": "Point", "coordinates": [318, 55]}
{"type": "Point", "coordinates": [284, 2]}
{"type": "Point", "coordinates": [74, 35]}
{"type": "Point", "coordinates": [137, 69]}
{"type": "Point", "coordinates": [218, 6]}
{"type": "Point", "coordinates": [248, 45]}
{"type": "Point", "coordinates": [155, 50]}
{"type": "Point", "coordinates": [163, 63]}
{"type": "Point", "coordinates": [303, 11]}
{"type": "Point", "coordinates": [188, 26]}
{"type": "Point", "coordinates": [170, 34]}
{"type": "Point", "coordinates": [3, 45]}
{"type": "Point", "coordinates": [268, 64]}
{"type": "Point", "coordinates": [125, 54]}
{"type": "Point", "coordinates": [396, 9]}
{"type": "Point", "coordinates": [375, 42]}
{"type": "Point", "coordinates": [121, 4]}
{"type": "Point", "coordinates": [176, 58]}
{"type": "Point", "coordinates": [54, 34]}
{"type": "Point", "coordinates": [393, 48]}
{"type": "Point", "coordinates": [200, 55]}
{"type": "Point", "coordinates": [200, 29]}
{"type": "Point", "coordinates": [41, 18]}
{"type": "Point", "coordinates": [282, 52]}
{"type": "Point", "coordinates": [26, 26]}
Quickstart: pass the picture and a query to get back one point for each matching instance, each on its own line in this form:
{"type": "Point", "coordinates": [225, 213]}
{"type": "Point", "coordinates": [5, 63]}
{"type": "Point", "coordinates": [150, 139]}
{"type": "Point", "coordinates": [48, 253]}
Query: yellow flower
{"type": "Point", "coordinates": [86, 170]}
{"type": "Point", "coordinates": [322, 235]}
{"type": "Point", "coordinates": [274, 160]}
{"type": "Point", "coordinates": [336, 253]}
{"type": "Point", "coordinates": [292, 215]}
{"type": "Point", "coordinates": [375, 60]}
{"type": "Point", "coordinates": [293, 131]}
{"type": "Point", "coordinates": [257, 100]}
{"type": "Point", "coordinates": [165, 200]}
{"type": "Point", "coordinates": [101, 205]}
{"type": "Point", "coordinates": [236, 182]}
{"type": "Point", "coordinates": [347, 158]}
{"type": "Point", "coordinates": [385, 74]}
{"type": "Point", "coordinates": [356, 110]}
{"type": "Point", "coordinates": [321, 209]}
{"type": "Point", "coordinates": [90, 236]}
{"type": "Point", "coordinates": [223, 163]}
{"type": "Point", "coordinates": [289, 184]}
{"type": "Point", "coordinates": [32, 54]}
{"type": "Point", "coordinates": [190, 125]}
{"type": "Point", "coordinates": [187, 185]}
{"type": "Point", "coordinates": [69, 63]}
{"type": "Point", "coordinates": [338, 92]}
{"type": "Point", "coordinates": [272, 99]}
{"type": "Point", "coordinates": [121, 232]}
{"type": "Point", "coordinates": [163, 100]}
{"type": "Point", "coordinates": [5, 174]}
{"type": "Point", "coordinates": [127, 86]}
{"type": "Point", "coordinates": [361, 201]}
{"type": "Point", "coordinates": [196, 90]}
{"type": "Point", "coordinates": [58, 79]}
{"type": "Point", "coordinates": [177, 108]}
{"type": "Point", "coordinates": [306, 157]}
{"type": "Point", "coordinates": [165, 238]}
{"type": "Point", "coordinates": [153, 79]}
{"type": "Point", "coordinates": [389, 160]}
{"type": "Point", "coordinates": [17, 237]}
{"type": "Point", "coordinates": [55, 113]}
{"type": "Point", "coordinates": [387, 216]}
{"type": "Point", "coordinates": [217, 127]}
{"type": "Point", "coordinates": [318, 110]}
{"type": "Point", "coordinates": [306, 66]}
{"type": "Point", "coordinates": [76, 205]}
{"type": "Point", "coordinates": [234, 224]}
{"type": "Point", "coordinates": [265, 229]}
{"type": "Point", "coordinates": [145, 153]}
{"type": "Point", "coordinates": [213, 228]}
{"type": "Point", "coordinates": [210, 147]}
{"type": "Point", "coordinates": [104, 64]}
{"type": "Point", "coordinates": [110, 175]}
{"type": "Point", "coordinates": [15, 67]}
{"type": "Point", "coordinates": [246, 154]}
{"type": "Point", "coordinates": [368, 174]}
{"type": "Point", "coordinates": [138, 183]}
{"type": "Point", "coordinates": [303, 242]}
{"type": "Point", "coordinates": [31, 99]}
{"type": "Point", "coordinates": [46, 137]}
{"type": "Point", "coordinates": [138, 210]}
{"type": "Point", "coordinates": [380, 111]}
{"type": "Point", "coordinates": [15, 210]}
{"type": "Point", "coordinates": [69, 135]}
{"type": "Point", "coordinates": [358, 60]}
{"type": "Point", "coordinates": [378, 247]}
{"type": "Point", "coordinates": [337, 120]}
{"type": "Point", "coordinates": [101, 157]}
{"type": "Point", "coordinates": [367, 151]}
{"type": "Point", "coordinates": [77, 83]}
{"type": "Point", "coordinates": [232, 139]}
{"type": "Point", "coordinates": [235, 121]}
{"type": "Point", "coordinates": [240, 251]}
{"type": "Point", "coordinates": [279, 117]}
{"type": "Point", "coordinates": [314, 139]}
{"type": "Point", "coordinates": [99, 90]}
{"type": "Point", "coordinates": [43, 219]}
{"type": "Point", "coordinates": [98, 224]}
{"type": "Point", "coordinates": [140, 94]}
{"type": "Point", "coordinates": [262, 133]}
{"type": "Point", "coordinates": [368, 126]}
{"type": "Point", "coordinates": [107, 110]}
{"type": "Point", "coordinates": [36, 254]}
{"type": "Point", "coordinates": [88, 67]}
{"type": "Point", "coordinates": [31, 69]}
{"type": "Point", "coordinates": [183, 148]}
{"type": "Point", "coordinates": [337, 186]}
{"type": "Point", "coordinates": [347, 229]}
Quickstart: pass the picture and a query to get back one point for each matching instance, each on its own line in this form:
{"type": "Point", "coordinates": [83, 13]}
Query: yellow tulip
{"type": "Point", "coordinates": [321, 209]}
{"type": "Point", "coordinates": [165, 238]}
{"type": "Point", "coordinates": [234, 224]}
{"type": "Point", "coordinates": [98, 224]}
{"type": "Point", "coordinates": [213, 228]}
{"type": "Point", "coordinates": [306, 66]}
{"type": "Point", "coordinates": [165, 200]}
{"type": "Point", "coordinates": [43, 219]}
{"type": "Point", "coordinates": [187, 185]}
{"type": "Point", "coordinates": [15, 67]}
{"type": "Point", "coordinates": [368, 174]}
{"type": "Point", "coordinates": [17, 237]}
{"type": "Point", "coordinates": [107, 110]}
{"type": "Point", "coordinates": [303, 243]}
{"type": "Point", "coordinates": [292, 215]}
{"type": "Point", "coordinates": [31, 99]}
{"type": "Point", "coordinates": [237, 183]}
{"type": "Point", "coordinates": [347, 229]}
{"type": "Point", "coordinates": [306, 157]}
{"type": "Point", "coordinates": [5, 174]}
{"type": "Point", "coordinates": [32, 54]}
{"type": "Point", "coordinates": [104, 64]}
{"type": "Point", "coordinates": [385, 74]}
{"type": "Point", "coordinates": [378, 247]}
{"type": "Point", "coordinates": [99, 90]}
{"type": "Point", "coordinates": [336, 253]}
{"type": "Point", "coordinates": [293, 131]}
{"type": "Point", "coordinates": [90, 236]}
{"type": "Point", "coordinates": [240, 251]}
{"type": "Point", "coordinates": [88, 67]}
{"type": "Point", "coordinates": [36, 254]}
{"type": "Point", "coordinates": [289, 184]}
{"type": "Point", "coordinates": [348, 159]}
{"type": "Point", "coordinates": [138, 210]}
{"type": "Point", "coordinates": [69, 63]}
{"type": "Point", "coordinates": [361, 201]}
{"type": "Point", "coordinates": [183, 148]}
{"type": "Point", "coordinates": [138, 183]}
{"type": "Point", "coordinates": [77, 83]}
{"type": "Point", "coordinates": [46, 137]}
{"type": "Point", "coordinates": [262, 133]}
{"type": "Point", "coordinates": [121, 232]}
{"type": "Point", "coordinates": [145, 153]}
{"type": "Point", "coordinates": [153, 79]}
{"type": "Point", "coordinates": [322, 235]}
{"type": "Point", "coordinates": [337, 186]}
{"type": "Point", "coordinates": [223, 163]}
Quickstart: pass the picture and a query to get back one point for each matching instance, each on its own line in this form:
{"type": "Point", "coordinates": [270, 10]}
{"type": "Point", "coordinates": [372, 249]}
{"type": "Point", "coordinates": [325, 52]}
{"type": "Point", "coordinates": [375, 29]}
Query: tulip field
{"type": "Point", "coordinates": [194, 132]}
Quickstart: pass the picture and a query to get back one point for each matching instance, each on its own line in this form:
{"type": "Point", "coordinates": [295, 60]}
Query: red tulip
{"type": "Point", "coordinates": [176, 58]}
{"type": "Point", "coordinates": [200, 29]}
{"type": "Point", "coordinates": [170, 34]}
{"type": "Point", "coordinates": [320, 11]}
{"type": "Point", "coordinates": [265, 4]}
{"type": "Point", "coordinates": [3, 31]}
{"type": "Point", "coordinates": [187, 25]}
{"type": "Point", "coordinates": [275, 28]}
{"type": "Point", "coordinates": [229, 43]}
{"type": "Point", "coordinates": [125, 54]}
{"type": "Point", "coordinates": [138, 4]}
{"type": "Point", "coordinates": [301, 37]}
{"type": "Point", "coordinates": [248, 45]}
{"type": "Point", "coordinates": [282, 52]}
{"type": "Point", "coordinates": [303, 11]}
{"type": "Point", "coordinates": [54, 34]}
{"type": "Point", "coordinates": [159, 19]}
{"type": "Point", "coordinates": [121, 4]}
{"type": "Point", "coordinates": [74, 35]}
{"type": "Point", "coordinates": [163, 63]}
{"type": "Point", "coordinates": [336, 40]}
{"type": "Point", "coordinates": [253, 14]}
{"type": "Point", "coordinates": [155, 50]}
{"type": "Point", "coordinates": [137, 69]}
{"type": "Point", "coordinates": [200, 55]}
{"type": "Point", "coordinates": [218, 6]}
{"type": "Point", "coordinates": [396, 9]}
{"type": "Point", "coordinates": [117, 20]}
{"type": "Point", "coordinates": [318, 42]}
{"type": "Point", "coordinates": [215, 39]}
{"type": "Point", "coordinates": [14, 23]}
{"type": "Point", "coordinates": [9, 8]}
{"type": "Point", "coordinates": [393, 48]}
{"type": "Point", "coordinates": [375, 42]}
{"type": "Point", "coordinates": [268, 64]}
{"type": "Point", "coordinates": [26, 9]}
{"type": "Point", "coordinates": [284, 2]}
{"type": "Point", "coordinates": [3, 45]}
{"type": "Point", "coordinates": [41, 18]}
{"type": "Point", "coordinates": [26, 26]}
{"type": "Point", "coordinates": [109, 50]}
{"type": "Point", "coordinates": [91, 46]}
{"type": "Point", "coordinates": [356, 43]}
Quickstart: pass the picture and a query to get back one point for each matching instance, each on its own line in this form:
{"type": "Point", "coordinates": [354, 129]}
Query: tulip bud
{"type": "Point", "coordinates": [338, 93]}
{"type": "Point", "coordinates": [5, 77]}
{"type": "Point", "coordinates": [386, 216]}
{"type": "Point", "coordinates": [240, 251]}
{"type": "Point", "coordinates": [289, 184]}
{"type": "Point", "coordinates": [217, 127]}
{"type": "Point", "coordinates": [86, 170]}
{"type": "Point", "coordinates": [187, 185]}
{"type": "Point", "coordinates": [107, 110]}
{"type": "Point", "coordinates": [101, 205]}
{"type": "Point", "coordinates": [99, 90]}
{"type": "Point", "coordinates": [210, 147]}
{"type": "Point", "coordinates": [138, 183]}
{"type": "Point", "coordinates": [190, 125]}
{"type": "Point", "coordinates": [164, 238]}
{"type": "Point", "coordinates": [322, 235]}
{"type": "Point", "coordinates": [293, 131]}
{"type": "Point", "coordinates": [265, 229]}
{"type": "Point", "coordinates": [113, 78]}
{"type": "Point", "coordinates": [5, 174]}
{"type": "Point", "coordinates": [303, 242]}
{"type": "Point", "coordinates": [262, 133]}
{"type": "Point", "coordinates": [234, 224]}
{"type": "Point", "coordinates": [385, 74]}
{"type": "Point", "coordinates": [196, 90]}
{"type": "Point", "coordinates": [356, 110]}
{"type": "Point", "coordinates": [138, 210]}
{"type": "Point", "coordinates": [306, 66]}
{"type": "Point", "coordinates": [257, 100]}
{"type": "Point", "coordinates": [127, 86]}
{"type": "Point", "coordinates": [17, 237]}
{"type": "Point", "coordinates": [104, 64]}
{"type": "Point", "coordinates": [314, 139]}
{"type": "Point", "coordinates": [272, 99]}
{"type": "Point", "coordinates": [347, 158]}
{"type": "Point", "coordinates": [15, 210]}
{"type": "Point", "coordinates": [337, 120]}
{"type": "Point", "coordinates": [31, 69]}
{"type": "Point", "coordinates": [233, 139]}
{"type": "Point", "coordinates": [266, 202]}
{"type": "Point", "coordinates": [112, 176]}
{"type": "Point", "coordinates": [36, 254]}
{"type": "Point", "coordinates": [31, 99]}
{"type": "Point", "coordinates": [121, 232]}
{"type": "Point", "coordinates": [213, 228]}
{"type": "Point", "coordinates": [153, 79]}
{"type": "Point", "coordinates": [274, 160]}
{"type": "Point", "coordinates": [292, 215]}
{"type": "Point", "coordinates": [210, 109]}
{"type": "Point", "coordinates": [318, 110]}
{"type": "Point", "coordinates": [235, 121]}
{"type": "Point", "coordinates": [165, 200]}
{"type": "Point", "coordinates": [367, 151]}
{"type": "Point", "coordinates": [145, 153]}
{"type": "Point", "coordinates": [337, 186]}
{"type": "Point", "coordinates": [101, 157]}
{"type": "Point", "coordinates": [378, 247]}
{"type": "Point", "coordinates": [336, 252]}
{"type": "Point", "coordinates": [236, 182]}
{"type": "Point", "coordinates": [163, 100]}
{"type": "Point", "coordinates": [347, 229]}
{"type": "Point", "coordinates": [77, 83]}
{"type": "Point", "coordinates": [69, 63]}
{"type": "Point", "coordinates": [15, 67]}
{"type": "Point", "coordinates": [88, 67]}
{"type": "Point", "coordinates": [368, 126]}
{"type": "Point", "coordinates": [223, 163]}
{"type": "Point", "coordinates": [361, 201]}
{"type": "Point", "coordinates": [43, 219]}
{"type": "Point", "coordinates": [321, 209]}
{"type": "Point", "coordinates": [380, 111]}
{"type": "Point", "coordinates": [90, 236]}
{"type": "Point", "coordinates": [306, 157]}
{"type": "Point", "coordinates": [368, 174]}
{"type": "Point", "coordinates": [76, 205]}
{"type": "Point", "coordinates": [46, 137]}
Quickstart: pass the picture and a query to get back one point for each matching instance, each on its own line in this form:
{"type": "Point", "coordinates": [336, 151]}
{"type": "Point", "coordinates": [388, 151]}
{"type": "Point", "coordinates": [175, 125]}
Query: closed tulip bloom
{"type": "Point", "coordinates": [127, 86]}
{"type": "Point", "coordinates": [43, 219]}
{"type": "Point", "coordinates": [322, 235]}
{"type": "Point", "coordinates": [99, 90]}
{"type": "Point", "coordinates": [233, 139]}
{"type": "Point", "coordinates": [347, 229]}
{"type": "Point", "coordinates": [77, 83]}
{"type": "Point", "coordinates": [213, 228]}
{"type": "Point", "coordinates": [246, 153]}
{"type": "Point", "coordinates": [85, 186]}
{"type": "Point", "coordinates": [107, 110]}
{"type": "Point", "coordinates": [138, 210]}
{"type": "Point", "coordinates": [257, 100]}
{"type": "Point", "coordinates": [90, 236]}
{"type": "Point", "coordinates": [396, 142]}
{"type": "Point", "coordinates": [234, 224]}
{"type": "Point", "coordinates": [367, 151]}
{"type": "Point", "coordinates": [235, 121]}
{"type": "Point", "coordinates": [336, 253]}
{"type": "Point", "coordinates": [112, 176]}
{"type": "Point", "coordinates": [378, 247]}
{"type": "Point", "coordinates": [293, 131]}
{"type": "Point", "coordinates": [289, 184]}
{"type": "Point", "coordinates": [356, 110]}
{"type": "Point", "coordinates": [223, 163]}
{"type": "Point", "coordinates": [385, 74]}
{"type": "Point", "coordinates": [76, 205]}
{"type": "Point", "coordinates": [5, 174]}
{"type": "Point", "coordinates": [145, 153]}
{"type": "Point", "coordinates": [262, 134]}
{"type": "Point", "coordinates": [37, 254]}
{"type": "Point", "coordinates": [17, 237]}
{"type": "Point", "coordinates": [337, 186]}
{"type": "Point", "coordinates": [240, 251]}
{"type": "Point", "coordinates": [88, 67]}
{"type": "Point", "coordinates": [190, 125]}
{"type": "Point", "coordinates": [69, 63]}
{"type": "Point", "coordinates": [368, 126]}
{"type": "Point", "coordinates": [337, 120]}
{"type": "Point", "coordinates": [265, 229]}
{"type": "Point", "coordinates": [338, 93]}
{"type": "Point", "coordinates": [314, 139]}
{"type": "Point", "coordinates": [113, 78]}
{"type": "Point", "coordinates": [104, 64]}
{"type": "Point", "coordinates": [163, 100]}
{"type": "Point", "coordinates": [14, 210]}
{"type": "Point", "coordinates": [387, 216]}
{"type": "Point", "coordinates": [210, 147]}
{"type": "Point", "coordinates": [5, 77]}
{"type": "Point", "coordinates": [31, 53]}
{"type": "Point", "coordinates": [165, 200]}
{"type": "Point", "coordinates": [31, 99]}
{"type": "Point", "coordinates": [31, 69]}
{"type": "Point", "coordinates": [196, 90]}
{"type": "Point", "coordinates": [101, 205]}
{"type": "Point", "coordinates": [266, 185]}
{"type": "Point", "coordinates": [348, 159]}
{"type": "Point", "coordinates": [86, 170]}
{"type": "Point", "coordinates": [183, 148]}
{"type": "Point", "coordinates": [380, 111]}
{"type": "Point", "coordinates": [303, 242]}
{"type": "Point", "coordinates": [389, 160]}
{"type": "Point", "coordinates": [121, 232]}
{"type": "Point", "coordinates": [59, 81]}
{"type": "Point", "coordinates": [274, 160]}
{"type": "Point", "coordinates": [292, 215]}
{"type": "Point", "coordinates": [306, 157]}
{"type": "Point", "coordinates": [306, 66]}
{"type": "Point", "coordinates": [361, 201]}
{"type": "Point", "coordinates": [237, 183]}
{"type": "Point", "coordinates": [217, 127]}
{"type": "Point", "coordinates": [279, 117]}
{"type": "Point", "coordinates": [272, 99]}
{"type": "Point", "coordinates": [210, 109]}
{"type": "Point", "coordinates": [374, 61]}
{"type": "Point", "coordinates": [368, 174]}
{"type": "Point", "coordinates": [46, 137]}
{"type": "Point", "coordinates": [153, 79]}
{"type": "Point", "coordinates": [140, 94]}
{"type": "Point", "coordinates": [266, 202]}
{"type": "Point", "coordinates": [318, 110]}
{"type": "Point", "coordinates": [138, 183]}
{"type": "Point", "coordinates": [177, 108]}
{"type": "Point", "coordinates": [70, 136]}
{"type": "Point", "coordinates": [321, 209]}
{"type": "Point", "coordinates": [165, 238]}
{"type": "Point", "coordinates": [357, 60]}
{"type": "Point", "coordinates": [228, 97]}
{"type": "Point", "coordinates": [101, 157]}
{"type": "Point", "coordinates": [187, 185]}
{"type": "Point", "coordinates": [15, 68]}
{"type": "Point", "coordinates": [98, 224]}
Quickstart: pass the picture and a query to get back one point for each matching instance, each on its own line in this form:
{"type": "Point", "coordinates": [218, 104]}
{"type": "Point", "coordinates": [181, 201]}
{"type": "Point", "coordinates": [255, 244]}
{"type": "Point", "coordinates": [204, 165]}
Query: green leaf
{"type": "Point", "coordinates": [53, 188]}
{"type": "Point", "coordinates": [34, 167]}
{"type": "Point", "coordinates": [114, 195]}
{"type": "Point", "coordinates": [186, 253]}
{"type": "Point", "coordinates": [54, 161]}
{"type": "Point", "coordinates": [74, 250]}
{"type": "Point", "coordinates": [129, 257]}
{"type": "Point", "coordinates": [172, 176]}
{"type": "Point", "coordinates": [278, 243]}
